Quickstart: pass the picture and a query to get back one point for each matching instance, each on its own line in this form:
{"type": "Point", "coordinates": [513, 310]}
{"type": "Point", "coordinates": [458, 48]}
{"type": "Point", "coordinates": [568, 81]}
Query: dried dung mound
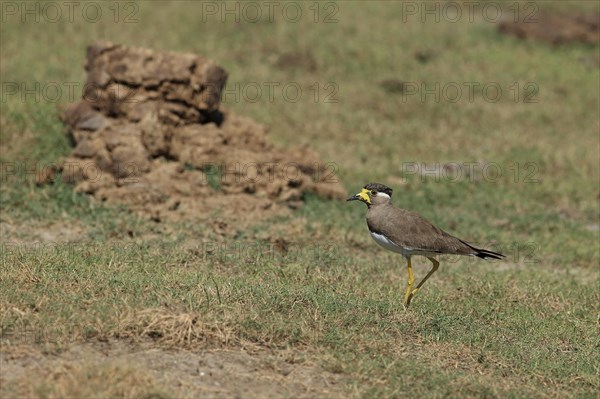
{"type": "Point", "coordinates": [555, 28]}
{"type": "Point", "coordinates": [149, 133]}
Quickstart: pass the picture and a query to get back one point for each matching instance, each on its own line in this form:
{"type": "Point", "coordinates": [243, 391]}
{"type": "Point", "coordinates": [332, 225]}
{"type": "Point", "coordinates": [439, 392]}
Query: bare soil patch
{"type": "Point", "coordinates": [118, 368]}
{"type": "Point", "coordinates": [297, 60]}
{"type": "Point", "coordinates": [555, 28]}
{"type": "Point", "coordinates": [41, 233]}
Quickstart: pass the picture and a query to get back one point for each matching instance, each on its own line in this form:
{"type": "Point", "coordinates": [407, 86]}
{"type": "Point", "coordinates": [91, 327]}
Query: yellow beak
{"type": "Point", "coordinates": [362, 196]}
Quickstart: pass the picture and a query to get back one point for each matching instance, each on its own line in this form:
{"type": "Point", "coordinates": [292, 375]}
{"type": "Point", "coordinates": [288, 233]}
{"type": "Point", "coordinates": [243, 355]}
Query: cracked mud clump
{"type": "Point", "coordinates": [149, 133]}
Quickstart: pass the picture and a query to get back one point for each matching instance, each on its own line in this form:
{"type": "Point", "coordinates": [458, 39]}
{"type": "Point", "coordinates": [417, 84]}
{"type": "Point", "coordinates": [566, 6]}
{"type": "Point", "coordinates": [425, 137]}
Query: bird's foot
{"type": "Point", "coordinates": [409, 297]}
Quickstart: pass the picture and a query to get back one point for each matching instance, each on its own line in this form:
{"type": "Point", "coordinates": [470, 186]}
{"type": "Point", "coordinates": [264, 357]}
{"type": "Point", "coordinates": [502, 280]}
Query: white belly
{"type": "Point", "coordinates": [388, 244]}
{"type": "Point", "coordinates": [391, 246]}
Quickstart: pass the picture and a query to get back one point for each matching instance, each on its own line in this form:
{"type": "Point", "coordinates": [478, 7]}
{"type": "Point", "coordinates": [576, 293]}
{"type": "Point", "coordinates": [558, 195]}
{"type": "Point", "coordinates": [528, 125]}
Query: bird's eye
{"type": "Point", "coordinates": [373, 192]}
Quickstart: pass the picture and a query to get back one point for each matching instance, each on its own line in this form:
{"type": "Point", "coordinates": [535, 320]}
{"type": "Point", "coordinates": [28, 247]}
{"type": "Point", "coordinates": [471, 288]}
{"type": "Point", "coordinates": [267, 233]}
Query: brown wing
{"type": "Point", "coordinates": [410, 230]}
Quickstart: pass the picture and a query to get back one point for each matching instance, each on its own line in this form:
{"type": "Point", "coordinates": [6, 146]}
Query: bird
{"type": "Point", "coordinates": [408, 233]}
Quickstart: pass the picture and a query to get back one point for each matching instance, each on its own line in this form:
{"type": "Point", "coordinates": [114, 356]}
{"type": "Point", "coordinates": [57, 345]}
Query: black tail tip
{"type": "Point", "coordinates": [485, 254]}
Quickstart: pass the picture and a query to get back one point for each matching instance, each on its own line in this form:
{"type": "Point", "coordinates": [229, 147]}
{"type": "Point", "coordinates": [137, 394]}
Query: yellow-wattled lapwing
{"type": "Point", "coordinates": [410, 234]}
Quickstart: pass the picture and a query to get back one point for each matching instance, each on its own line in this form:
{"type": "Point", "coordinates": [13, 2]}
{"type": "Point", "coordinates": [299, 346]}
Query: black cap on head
{"type": "Point", "coordinates": [379, 188]}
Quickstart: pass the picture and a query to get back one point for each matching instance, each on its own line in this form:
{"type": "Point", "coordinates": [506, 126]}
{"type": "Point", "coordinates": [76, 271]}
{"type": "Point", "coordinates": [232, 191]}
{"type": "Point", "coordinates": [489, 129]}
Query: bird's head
{"type": "Point", "coordinates": [373, 194]}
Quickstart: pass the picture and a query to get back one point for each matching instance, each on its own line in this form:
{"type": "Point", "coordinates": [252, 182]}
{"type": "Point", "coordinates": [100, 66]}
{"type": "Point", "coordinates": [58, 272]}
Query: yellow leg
{"type": "Point", "coordinates": [436, 264]}
{"type": "Point", "coordinates": [411, 280]}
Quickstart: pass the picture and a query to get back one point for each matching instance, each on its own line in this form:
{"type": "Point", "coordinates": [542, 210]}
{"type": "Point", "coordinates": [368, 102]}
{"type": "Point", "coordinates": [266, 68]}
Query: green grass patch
{"type": "Point", "coordinates": [74, 270]}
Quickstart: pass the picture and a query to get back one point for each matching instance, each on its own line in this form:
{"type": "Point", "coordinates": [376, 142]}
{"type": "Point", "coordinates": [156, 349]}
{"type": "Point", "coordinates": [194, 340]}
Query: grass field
{"type": "Point", "coordinates": [80, 279]}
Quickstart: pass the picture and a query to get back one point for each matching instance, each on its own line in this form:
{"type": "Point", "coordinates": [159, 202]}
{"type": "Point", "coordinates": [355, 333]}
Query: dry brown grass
{"type": "Point", "coordinates": [178, 329]}
{"type": "Point", "coordinates": [80, 380]}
